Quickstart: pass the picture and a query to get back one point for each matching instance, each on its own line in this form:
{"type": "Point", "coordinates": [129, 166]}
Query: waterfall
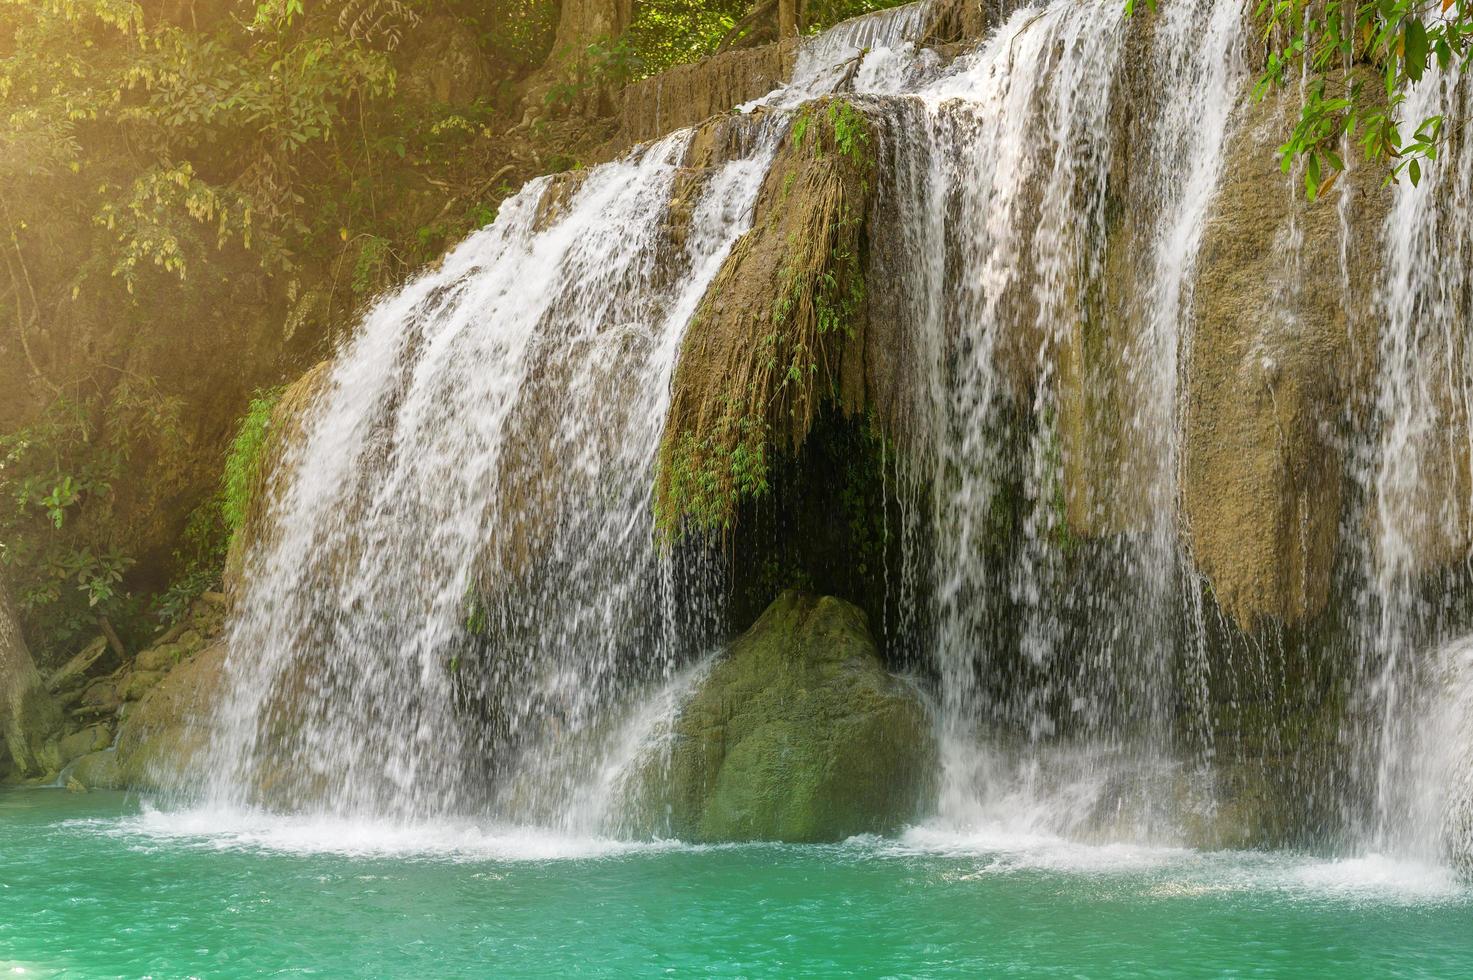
{"type": "Point", "coordinates": [482, 453]}
{"type": "Point", "coordinates": [462, 606]}
{"type": "Point", "coordinates": [461, 603]}
{"type": "Point", "coordinates": [1007, 173]}
{"type": "Point", "coordinates": [1421, 492]}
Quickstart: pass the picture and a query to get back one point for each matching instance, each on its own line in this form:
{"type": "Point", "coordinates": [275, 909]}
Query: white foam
{"type": "Point", "coordinates": [1377, 878]}
{"type": "Point", "coordinates": [1009, 849]}
{"type": "Point", "coordinates": [1185, 873]}
{"type": "Point", "coordinates": [225, 829]}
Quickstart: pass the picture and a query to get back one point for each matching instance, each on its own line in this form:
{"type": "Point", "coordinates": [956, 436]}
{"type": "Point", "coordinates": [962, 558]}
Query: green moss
{"type": "Point", "coordinates": [704, 478]}
{"type": "Point", "coordinates": [241, 479]}
{"type": "Point", "coordinates": [800, 735]}
{"type": "Point", "coordinates": [789, 298]}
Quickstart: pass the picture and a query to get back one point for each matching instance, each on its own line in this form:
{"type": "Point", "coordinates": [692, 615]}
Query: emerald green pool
{"type": "Point", "coordinates": [100, 885]}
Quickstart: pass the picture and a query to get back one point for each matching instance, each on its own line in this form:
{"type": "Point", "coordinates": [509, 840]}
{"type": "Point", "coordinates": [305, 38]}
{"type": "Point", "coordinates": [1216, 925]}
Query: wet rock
{"type": "Point", "coordinates": [799, 734]}
{"type": "Point", "coordinates": [90, 739]}
{"type": "Point", "coordinates": [1281, 349]}
{"type": "Point", "coordinates": [161, 736]}
{"type": "Point", "coordinates": [783, 329]}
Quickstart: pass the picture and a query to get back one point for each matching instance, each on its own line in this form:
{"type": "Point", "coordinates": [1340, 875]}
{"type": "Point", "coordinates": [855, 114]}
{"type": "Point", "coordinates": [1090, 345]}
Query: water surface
{"type": "Point", "coordinates": [102, 885]}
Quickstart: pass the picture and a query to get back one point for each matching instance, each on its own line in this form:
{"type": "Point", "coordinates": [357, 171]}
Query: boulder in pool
{"type": "Point", "coordinates": [799, 734]}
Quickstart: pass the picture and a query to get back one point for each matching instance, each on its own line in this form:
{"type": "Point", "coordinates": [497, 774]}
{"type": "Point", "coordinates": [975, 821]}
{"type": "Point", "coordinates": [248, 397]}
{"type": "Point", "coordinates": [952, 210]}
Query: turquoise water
{"type": "Point", "coordinates": [99, 885]}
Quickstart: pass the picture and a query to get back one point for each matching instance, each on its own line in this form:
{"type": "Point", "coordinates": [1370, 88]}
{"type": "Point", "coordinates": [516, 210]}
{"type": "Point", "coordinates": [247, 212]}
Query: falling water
{"type": "Point", "coordinates": [461, 569]}
{"type": "Point", "coordinates": [478, 466]}
{"type": "Point", "coordinates": [1008, 166]}
{"type": "Point", "coordinates": [1420, 483]}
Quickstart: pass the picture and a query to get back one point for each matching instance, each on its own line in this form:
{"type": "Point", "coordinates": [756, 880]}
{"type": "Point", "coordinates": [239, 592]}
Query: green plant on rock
{"type": "Point", "coordinates": [703, 478]}
{"type": "Point", "coordinates": [241, 479]}
{"type": "Point", "coordinates": [851, 131]}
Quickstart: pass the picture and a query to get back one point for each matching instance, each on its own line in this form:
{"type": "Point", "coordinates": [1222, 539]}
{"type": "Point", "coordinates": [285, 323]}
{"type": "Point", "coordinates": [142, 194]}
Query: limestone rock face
{"type": "Point", "coordinates": [783, 329]}
{"type": "Point", "coordinates": [1281, 351]}
{"type": "Point", "coordinates": [687, 94]}
{"type": "Point", "coordinates": [799, 734]}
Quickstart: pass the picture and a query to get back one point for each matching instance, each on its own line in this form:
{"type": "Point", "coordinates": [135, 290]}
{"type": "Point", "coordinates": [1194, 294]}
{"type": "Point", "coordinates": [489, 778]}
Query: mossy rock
{"type": "Point", "coordinates": [99, 770]}
{"type": "Point", "coordinates": [163, 736]}
{"type": "Point", "coordinates": [800, 735]}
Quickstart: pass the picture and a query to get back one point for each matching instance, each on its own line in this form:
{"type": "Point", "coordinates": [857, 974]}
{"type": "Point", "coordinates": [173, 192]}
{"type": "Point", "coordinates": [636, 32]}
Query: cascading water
{"type": "Point", "coordinates": [1008, 171]}
{"type": "Point", "coordinates": [481, 453]}
{"type": "Point", "coordinates": [1412, 742]}
{"type": "Point", "coordinates": [509, 406]}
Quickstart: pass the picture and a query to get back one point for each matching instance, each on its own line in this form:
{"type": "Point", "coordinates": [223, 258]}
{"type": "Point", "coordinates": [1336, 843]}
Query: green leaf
{"type": "Point", "coordinates": [1414, 54]}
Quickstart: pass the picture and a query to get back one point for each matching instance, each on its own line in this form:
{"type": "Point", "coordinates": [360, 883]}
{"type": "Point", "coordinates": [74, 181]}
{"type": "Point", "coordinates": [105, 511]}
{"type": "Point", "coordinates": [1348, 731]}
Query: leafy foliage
{"type": "Point", "coordinates": [666, 33]}
{"type": "Point", "coordinates": [1402, 40]}
{"type": "Point", "coordinates": [57, 494]}
{"type": "Point", "coordinates": [1322, 43]}
{"type": "Point", "coordinates": [221, 125]}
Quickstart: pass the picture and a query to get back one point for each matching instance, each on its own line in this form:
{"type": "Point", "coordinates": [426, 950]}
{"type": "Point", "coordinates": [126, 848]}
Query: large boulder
{"type": "Point", "coordinates": [799, 734]}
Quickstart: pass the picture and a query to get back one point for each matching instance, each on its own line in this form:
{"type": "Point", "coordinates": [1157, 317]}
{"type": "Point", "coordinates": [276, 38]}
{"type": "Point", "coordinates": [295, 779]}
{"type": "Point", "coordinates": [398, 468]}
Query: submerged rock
{"type": "Point", "coordinates": [800, 735]}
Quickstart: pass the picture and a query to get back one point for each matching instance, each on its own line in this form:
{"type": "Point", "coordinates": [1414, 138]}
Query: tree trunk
{"type": "Point", "coordinates": [27, 712]}
{"type": "Point", "coordinates": [564, 84]}
{"type": "Point", "coordinates": [787, 18]}
{"type": "Point", "coordinates": [582, 22]}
